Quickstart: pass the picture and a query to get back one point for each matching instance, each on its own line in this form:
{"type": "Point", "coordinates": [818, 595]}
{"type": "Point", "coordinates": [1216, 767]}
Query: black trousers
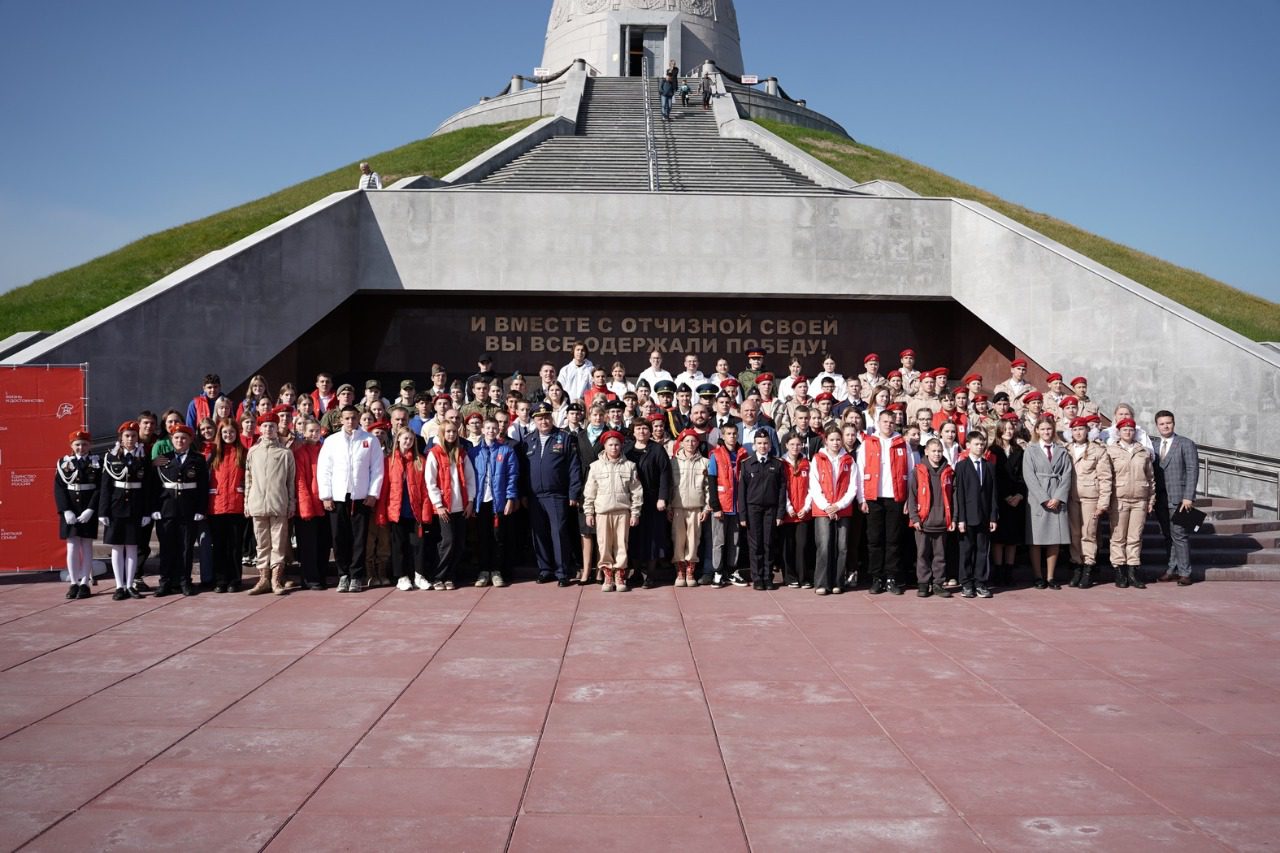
{"type": "Point", "coordinates": [975, 554]}
{"type": "Point", "coordinates": [177, 538]}
{"type": "Point", "coordinates": [794, 539]}
{"type": "Point", "coordinates": [449, 546]}
{"type": "Point", "coordinates": [549, 518]}
{"type": "Point", "coordinates": [349, 525]}
{"type": "Point", "coordinates": [226, 533]}
{"type": "Point", "coordinates": [761, 526]}
{"type": "Point", "coordinates": [406, 549]}
{"type": "Point", "coordinates": [491, 538]}
{"type": "Point", "coordinates": [313, 537]}
{"type": "Point", "coordinates": [886, 525]}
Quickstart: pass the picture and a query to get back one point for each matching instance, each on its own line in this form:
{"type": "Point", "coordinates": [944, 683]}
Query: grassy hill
{"type": "Point", "coordinates": [1251, 316]}
{"type": "Point", "coordinates": [57, 301]}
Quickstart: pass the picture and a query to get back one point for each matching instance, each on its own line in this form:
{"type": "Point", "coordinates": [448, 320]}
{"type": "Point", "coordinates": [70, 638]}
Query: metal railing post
{"type": "Point", "coordinates": [651, 148]}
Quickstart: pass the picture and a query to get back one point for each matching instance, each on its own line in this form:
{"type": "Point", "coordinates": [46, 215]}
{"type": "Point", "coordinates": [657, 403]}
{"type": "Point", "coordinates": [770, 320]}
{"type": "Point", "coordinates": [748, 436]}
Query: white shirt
{"type": "Point", "coordinates": [653, 377]}
{"type": "Point", "coordinates": [841, 391]}
{"type": "Point", "coordinates": [433, 482]}
{"type": "Point", "coordinates": [620, 388]}
{"type": "Point", "coordinates": [576, 379]}
{"type": "Point", "coordinates": [349, 465]}
{"type": "Point", "coordinates": [371, 181]}
{"type": "Point", "coordinates": [693, 380]}
{"type": "Point", "coordinates": [1111, 435]}
{"type": "Point", "coordinates": [851, 493]}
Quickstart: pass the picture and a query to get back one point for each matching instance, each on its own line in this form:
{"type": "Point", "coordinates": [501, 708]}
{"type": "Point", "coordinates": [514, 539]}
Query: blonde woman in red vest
{"type": "Point", "coordinates": [929, 502]}
{"type": "Point", "coordinates": [834, 487]}
{"type": "Point", "coordinates": [451, 482]}
{"type": "Point", "coordinates": [408, 505]}
{"type": "Point", "coordinates": [226, 507]}
{"type": "Point", "coordinates": [797, 523]}
{"type": "Point", "coordinates": [883, 461]}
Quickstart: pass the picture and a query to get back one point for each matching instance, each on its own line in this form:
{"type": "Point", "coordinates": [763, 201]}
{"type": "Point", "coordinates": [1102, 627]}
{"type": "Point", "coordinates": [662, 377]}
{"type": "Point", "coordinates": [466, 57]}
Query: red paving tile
{"type": "Point", "coordinates": [671, 719]}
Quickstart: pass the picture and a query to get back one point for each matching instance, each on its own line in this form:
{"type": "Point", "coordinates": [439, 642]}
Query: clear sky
{"type": "Point", "coordinates": [1154, 124]}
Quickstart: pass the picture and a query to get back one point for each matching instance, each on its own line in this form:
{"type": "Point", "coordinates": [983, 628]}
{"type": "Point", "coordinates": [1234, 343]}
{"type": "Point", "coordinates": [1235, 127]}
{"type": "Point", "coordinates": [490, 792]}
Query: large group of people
{"type": "Point", "coordinates": [714, 479]}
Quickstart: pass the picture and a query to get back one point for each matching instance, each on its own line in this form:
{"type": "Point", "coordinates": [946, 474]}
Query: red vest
{"type": "Point", "coordinates": [204, 408]}
{"type": "Point", "coordinates": [727, 476]}
{"type": "Point", "coordinates": [834, 483]}
{"type": "Point", "coordinates": [305, 457]}
{"type": "Point", "coordinates": [924, 499]}
{"type": "Point", "coordinates": [797, 474]}
{"type": "Point", "coordinates": [417, 489]}
{"type": "Point", "coordinates": [226, 487]}
{"type": "Point", "coordinates": [317, 406]}
{"type": "Point", "coordinates": [897, 465]}
{"type": "Point", "coordinates": [444, 479]}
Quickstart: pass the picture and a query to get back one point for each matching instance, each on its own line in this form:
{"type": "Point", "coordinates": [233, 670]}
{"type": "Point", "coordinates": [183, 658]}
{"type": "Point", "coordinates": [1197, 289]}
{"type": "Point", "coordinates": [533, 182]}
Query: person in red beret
{"type": "Point", "coordinates": [1090, 498]}
{"type": "Point", "coordinates": [75, 494]}
{"type": "Point", "coordinates": [179, 511]}
{"type": "Point", "coordinates": [897, 391]}
{"type": "Point", "coordinates": [122, 502]}
{"type": "Point", "coordinates": [1016, 386]}
{"type": "Point", "coordinates": [1080, 388]}
{"type": "Point", "coordinates": [611, 501]}
{"type": "Point", "coordinates": [907, 360]}
{"type": "Point", "coordinates": [871, 378]}
{"type": "Point", "coordinates": [1057, 389]}
{"type": "Point", "coordinates": [225, 515]}
{"type": "Point", "coordinates": [1133, 499]}
{"type": "Point", "coordinates": [824, 404]}
{"type": "Point", "coordinates": [925, 397]}
{"type": "Point", "coordinates": [1032, 410]}
{"type": "Point", "coordinates": [270, 500]}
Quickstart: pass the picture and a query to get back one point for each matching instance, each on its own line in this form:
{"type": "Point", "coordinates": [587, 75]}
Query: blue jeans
{"type": "Point", "coordinates": [666, 106]}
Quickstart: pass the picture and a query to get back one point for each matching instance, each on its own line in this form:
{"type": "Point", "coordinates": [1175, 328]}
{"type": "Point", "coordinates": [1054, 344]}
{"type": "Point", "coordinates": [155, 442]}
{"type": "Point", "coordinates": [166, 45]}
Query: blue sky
{"type": "Point", "coordinates": [1154, 124]}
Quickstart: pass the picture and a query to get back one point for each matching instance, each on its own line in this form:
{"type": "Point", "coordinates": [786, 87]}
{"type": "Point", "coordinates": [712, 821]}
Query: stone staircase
{"type": "Point", "coordinates": [607, 153]}
{"type": "Point", "coordinates": [1231, 544]}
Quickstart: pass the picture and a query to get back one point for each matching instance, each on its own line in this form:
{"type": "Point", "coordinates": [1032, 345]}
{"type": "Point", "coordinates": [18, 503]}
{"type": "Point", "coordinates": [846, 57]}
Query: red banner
{"type": "Point", "coordinates": [39, 408]}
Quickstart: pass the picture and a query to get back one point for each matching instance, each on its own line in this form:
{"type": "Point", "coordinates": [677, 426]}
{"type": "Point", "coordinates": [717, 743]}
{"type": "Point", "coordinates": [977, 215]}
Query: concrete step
{"type": "Point", "coordinates": [1241, 573]}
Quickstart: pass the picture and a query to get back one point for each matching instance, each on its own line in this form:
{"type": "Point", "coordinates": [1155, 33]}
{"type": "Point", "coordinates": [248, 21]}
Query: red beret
{"type": "Point", "coordinates": [870, 357]}
{"type": "Point", "coordinates": [613, 433]}
{"type": "Point", "coordinates": [689, 433]}
{"type": "Point", "coordinates": [1079, 380]}
{"type": "Point", "coordinates": [764, 377]}
{"type": "Point", "coordinates": [1011, 416]}
{"type": "Point", "coordinates": [1018, 362]}
{"type": "Point", "coordinates": [180, 428]}
{"type": "Point", "coordinates": [268, 418]}
{"type": "Point", "coordinates": [1079, 422]}
{"type": "Point", "coordinates": [127, 426]}
{"type": "Point", "coordinates": [1054, 377]}
{"type": "Point", "coordinates": [730, 383]}
{"type": "Point", "coordinates": [282, 409]}
{"type": "Point", "coordinates": [1125, 422]}
{"type": "Point", "coordinates": [941, 371]}
{"type": "Point", "coordinates": [1032, 395]}
{"type": "Point", "coordinates": [474, 416]}
{"type": "Point", "coordinates": [1093, 418]}
{"type": "Point", "coordinates": [657, 416]}
{"type": "Point", "coordinates": [893, 373]}
{"type": "Point", "coordinates": [1068, 401]}
{"type": "Point", "coordinates": [81, 435]}
{"type": "Point", "coordinates": [385, 426]}
{"type": "Point", "coordinates": [907, 352]}
{"type": "Point", "coordinates": [896, 407]}
{"type": "Point", "coordinates": [800, 378]}
{"type": "Point", "coordinates": [972, 377]}
{"type": "Point", "coordinates": [825, 395]}
{"type": "Point", "coordinates": [980, 398]}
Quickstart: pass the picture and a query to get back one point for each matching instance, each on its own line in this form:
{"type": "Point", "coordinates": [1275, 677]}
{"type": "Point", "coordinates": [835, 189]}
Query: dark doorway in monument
{"type": "Point", "coordinates": [644, 43]}
{"type": "Point", "coordinates": [397, 336]}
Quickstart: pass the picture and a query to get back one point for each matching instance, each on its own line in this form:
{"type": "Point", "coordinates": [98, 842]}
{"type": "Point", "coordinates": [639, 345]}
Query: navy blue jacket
{"type": "Point", "coordinates": [553, 471]}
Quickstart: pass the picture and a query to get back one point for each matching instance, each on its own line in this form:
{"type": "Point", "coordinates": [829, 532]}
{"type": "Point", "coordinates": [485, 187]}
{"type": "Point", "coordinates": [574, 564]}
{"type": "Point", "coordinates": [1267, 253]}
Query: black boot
{"type": "Point", "coordinates": [1076, 570]}
{"type": "Point", "coordinates": [1122, 578]}
{"type": "Point", "coordinates": [1135, 577]}
{"type": "Point", "coordinates": [1086, 576]}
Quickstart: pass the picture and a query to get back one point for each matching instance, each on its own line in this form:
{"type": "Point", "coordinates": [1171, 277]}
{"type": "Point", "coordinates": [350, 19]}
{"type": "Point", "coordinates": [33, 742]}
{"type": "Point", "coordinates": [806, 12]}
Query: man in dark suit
{"type": "Point", "coordinates": [762, 501]}
{"type": "Point", "coordinates": [976, 515]}
{"type": "Point", "coordinates": [184, 476]}
{"type": "Point", "coordinates": [1177, 467]}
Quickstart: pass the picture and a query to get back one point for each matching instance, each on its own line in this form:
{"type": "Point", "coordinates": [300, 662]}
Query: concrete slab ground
{"type": "Point", "coordinates": [537, 718]}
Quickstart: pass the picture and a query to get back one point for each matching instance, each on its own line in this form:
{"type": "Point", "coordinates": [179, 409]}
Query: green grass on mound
{"type": "Point", "coordinates": [57, 301]}
{"type": "Point", "coordinates": [1251, 316]}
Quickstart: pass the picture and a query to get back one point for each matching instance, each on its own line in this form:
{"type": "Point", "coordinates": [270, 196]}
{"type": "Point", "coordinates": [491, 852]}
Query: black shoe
{"type": "Point", "coordinates": [134, 593]}
{"type": "Point", "coordinates": [83, 592]}
{"type": "Point", "coordinates": [140, 585]}
{"type": "Point", "coordinates": [877, 587]}
{"type": "Point", "coordinates": [235, 587]}
{"type": "Point", "coordinates": [312, 585]}
{"type": "Point", "coordinates": [1122, 580]}
{"type": "Point", "coordinates": [188, 590]}
{"type": "Point", "coordinates": [1185, 580]}
{"type": "Point", "coordinates": [120, 594]}
{"type": "Point", "coordinates": [563, 582]}
{"type": "Point", "coordinates": [1040, 584]}
{"type": "Point", "coordinates": [983, 592]}
{"type": "Point", "coordinates": [968, 592]}
{"type": "Point", "coordinates": [1075, 576]}
{"type": "Point", "coordinates": [162, 590]}
{"type": "Point", "coordinates": [1086, 577]}
{"type": "Point", "coordinates": [220, 588]}
{"type": "Point", "coordinates": [737, 579]}
{"type": "Point", "coordinates": [1055, 584]}
{"type": "Point", "coordinates": [73, 592]}
{"type": "Point", "coordinates": [941, 591]}
{"type": "Point", "coordinates": [891, 587]}
{"type": "Point", "coordinates": [544, 577]}
{"type": "Point", "coordinates": [922, 591]}
{"type": "Point", "coordinates": [1135, 577]}
{"type": "Point", "coordinates": [648, 583]}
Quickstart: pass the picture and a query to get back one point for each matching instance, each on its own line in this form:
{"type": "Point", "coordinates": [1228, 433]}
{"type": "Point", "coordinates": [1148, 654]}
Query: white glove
{"type": "Point", "coordinates": [155, 516]}
{"type": "Point", "coordinates": [69, 517]}
{"type": "Point", "coordinates": [146, 519]}
{"type": "Point", "coordinates": [197, 517]}
{"type": "Point", "coordinates": [106, 522]}
{"type": "Point", "coordinates": [84, 516]}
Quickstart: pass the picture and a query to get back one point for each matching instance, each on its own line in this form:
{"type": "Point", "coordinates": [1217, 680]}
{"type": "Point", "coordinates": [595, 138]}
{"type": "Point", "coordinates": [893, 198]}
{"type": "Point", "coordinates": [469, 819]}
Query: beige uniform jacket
{"type": "Point", "coordinates": [1094, 478]}
{"type": "Point", "coordinates": [269, 483]}
{"type": "Point", "coordinates": [690, 484]}
{"type": "Point", "coordinates": [612, 487]}
{"type": "Point", "coordinates": [1134, 476]}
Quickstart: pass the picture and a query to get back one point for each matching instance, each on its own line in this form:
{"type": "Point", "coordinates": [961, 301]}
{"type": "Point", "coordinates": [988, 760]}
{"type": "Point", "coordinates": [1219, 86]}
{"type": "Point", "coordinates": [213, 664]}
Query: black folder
{"type": "Point", "coordinates": [1189, 519]}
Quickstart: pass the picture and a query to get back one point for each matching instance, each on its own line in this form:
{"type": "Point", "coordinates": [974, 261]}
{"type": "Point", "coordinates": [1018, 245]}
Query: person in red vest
{"type": "Point", "coordinates": [226, 507]}
{"type": "Point", "coordinates": [323, 398]}
{"type": "Point", "coordinates": [451, 485]}
{"type": "Point", "coordinates": [930, 505]}
{"type": "Point", "coordinates": [882, 459]}
{"type": "Point", "coordinates": [834, 486]}
{"type": "Point", "coordinates": [722, 468]}
{"type": "Point", "coordinates": [311, 525]}
{"type": "Point", "coordinates": [407, 505]}
{"type": "Point", "coordinates": [201, 406]}
{"type": "Point", "coordinates": [797, 523]}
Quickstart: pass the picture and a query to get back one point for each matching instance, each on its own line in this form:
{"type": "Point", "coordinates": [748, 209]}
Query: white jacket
{"type": "Point", "coordinates": [349, 465]}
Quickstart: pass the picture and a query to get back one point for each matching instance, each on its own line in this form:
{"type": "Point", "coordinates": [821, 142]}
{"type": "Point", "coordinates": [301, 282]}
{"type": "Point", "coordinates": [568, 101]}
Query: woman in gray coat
{"type": "Point", "coordinates": [1047, 470]}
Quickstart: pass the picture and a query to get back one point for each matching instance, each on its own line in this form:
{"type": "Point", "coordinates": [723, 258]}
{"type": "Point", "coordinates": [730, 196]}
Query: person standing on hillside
{"type": "Point", "coordinates": [369, 179]}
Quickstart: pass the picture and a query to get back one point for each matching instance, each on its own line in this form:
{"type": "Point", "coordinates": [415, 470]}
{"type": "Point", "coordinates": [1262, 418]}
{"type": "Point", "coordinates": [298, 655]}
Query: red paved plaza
{"type": "Point", "coordinates": [537, 718]}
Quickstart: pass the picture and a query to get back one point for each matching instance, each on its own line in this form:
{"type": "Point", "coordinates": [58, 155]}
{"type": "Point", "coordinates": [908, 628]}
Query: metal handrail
{"type": "Point", "coordinates": [650, 146]}
{"type": "Point", "coordinates": [1238, 463]}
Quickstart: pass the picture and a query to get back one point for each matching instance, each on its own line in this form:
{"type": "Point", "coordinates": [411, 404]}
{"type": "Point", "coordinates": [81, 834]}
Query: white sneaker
{"type": "Point", "coordinates": [420, 582]}
{"type": "Point", "coordinates": [497, 580]}
{"type": "Point", "coordinates": [404, 584]}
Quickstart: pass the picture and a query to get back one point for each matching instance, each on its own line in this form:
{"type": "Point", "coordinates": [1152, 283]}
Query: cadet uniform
{"type": "Point", "coordinates": [1090, 489]}
{"type": "Point", "coordinates": [550, 479]}
{"type": "Point", "coordinates": [75, 494]}
{"type": "Point", "coordinates": [1133, 498]}
{"type": "Point", "coordinates": [871, 381]}
{"type": "Point", "coordinates": [747, 378]}
{"type": "Point", "coordinates": [182, 499]}
{"type": "Point", "coordinates": [1014, 388]}
{"type": "Point", "coordinates": [123, 497]}
{"type": "Point", "coordinates": [1086, 406]}
{"type": "Point", "coordinates": [762, 503]}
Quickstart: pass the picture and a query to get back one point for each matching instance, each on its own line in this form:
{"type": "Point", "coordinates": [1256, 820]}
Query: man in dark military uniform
{"type": "Point", "coordinates": [551, 481]}
{"type": "Point", "coordinates": [75, 493]}
{"type": "Point", "coordinates": [183, 497]}
{"type": "Point", "coordinates": [762, 501]}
